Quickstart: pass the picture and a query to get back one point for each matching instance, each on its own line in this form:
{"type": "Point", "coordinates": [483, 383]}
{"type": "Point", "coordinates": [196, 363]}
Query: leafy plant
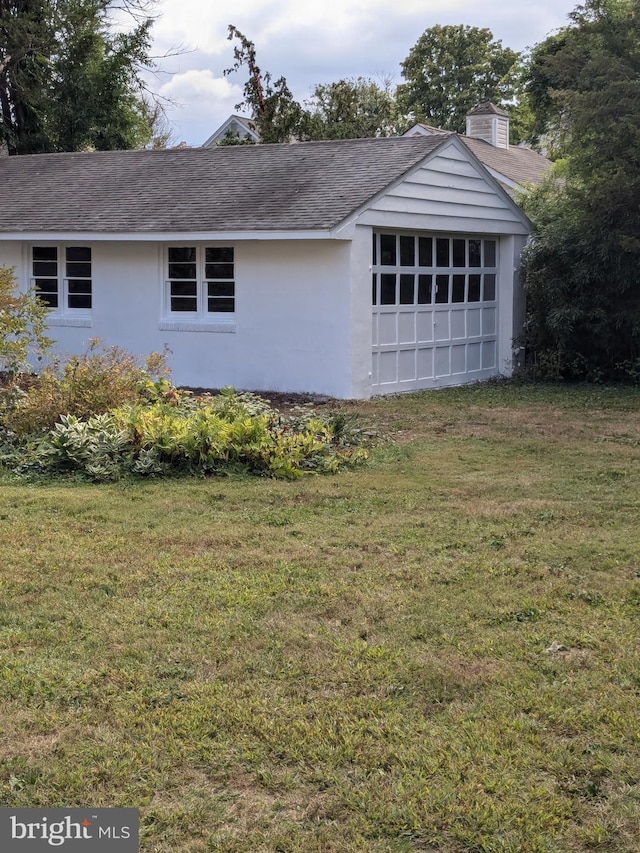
{"type": "Point", "coordinates": [22, 325]}
{"type": "Point", "coordinates": [86, 385]}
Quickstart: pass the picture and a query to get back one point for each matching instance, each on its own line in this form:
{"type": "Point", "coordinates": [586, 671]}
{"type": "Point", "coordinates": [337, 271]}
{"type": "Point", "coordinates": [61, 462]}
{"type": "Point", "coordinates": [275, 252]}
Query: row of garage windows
{"type": "Point", "coordinates": [445, 270]}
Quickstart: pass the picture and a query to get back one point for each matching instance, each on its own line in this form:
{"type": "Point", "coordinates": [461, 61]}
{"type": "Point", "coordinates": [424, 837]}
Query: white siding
{"type": "Point", "coordinates": [447, 193]}
{"type": "Point", "coordinates": [291, 327]}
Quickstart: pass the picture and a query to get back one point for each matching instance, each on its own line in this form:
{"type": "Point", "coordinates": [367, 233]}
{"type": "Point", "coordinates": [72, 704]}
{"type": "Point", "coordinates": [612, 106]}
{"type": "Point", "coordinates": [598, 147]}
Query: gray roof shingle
{"type": "Point", "coordinates": [300, 187]}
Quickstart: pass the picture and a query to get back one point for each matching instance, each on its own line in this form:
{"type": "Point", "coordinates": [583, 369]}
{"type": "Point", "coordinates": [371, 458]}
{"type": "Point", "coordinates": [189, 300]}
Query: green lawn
{"type": "Point", "coordinates": [437, 651]}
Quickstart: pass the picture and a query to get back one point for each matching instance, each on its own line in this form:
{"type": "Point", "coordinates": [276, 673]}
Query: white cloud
{"type": "Point", "coordinates": [312, 43]}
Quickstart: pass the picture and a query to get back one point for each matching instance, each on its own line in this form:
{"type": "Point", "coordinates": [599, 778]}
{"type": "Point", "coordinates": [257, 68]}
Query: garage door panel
{"type": "Point", "coordinates": [441, 331]}
{"type": "Point", "coordinates": [387, 367]}
{"type": "Point", "coordinates": [474, 328]}
{"type": "Point", "coordinates": [406, 365]}
{"type": "Point", "coordinates": [488, 321]}
{"type": "Point", "coordinates": [488, 355]}
{"type": "Point", "coordinates": [407, 327]}
{"type": "Point", "coordinates": [474, 357]}
{"type": "Point", "coordinates": [458, 359]}
{"type": "Point", "coordinates": [458, 324]}
{"type": "Point", "coordinates": [424, 326]}
{"type": "Point", "coordinates": [425, 363]}
{"type": "Point", "coordinates": [387, 329]}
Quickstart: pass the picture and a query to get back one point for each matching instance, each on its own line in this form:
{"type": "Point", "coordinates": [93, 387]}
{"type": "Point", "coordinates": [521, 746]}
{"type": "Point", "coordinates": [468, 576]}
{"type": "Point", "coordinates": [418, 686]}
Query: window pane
{"type": "Point", "coordinates": [442, 288]}
{"type": "Point", "coordinates": [79, 269]}
{"type": "Point", "coordinates": [457, 294]}
{"type": "Point", "coordinates": [224, 306]}
{"type": "Point", "coordinates": [459, 254]}
{"type": "Point", "coordinates": [407, 251]}
{"type": "Point", "coordinates": [184, 288]}
{"type": "Point", "coordinates": [182, 270]}
{"type": "Point", "coordinates": [78, 253]}
{"type": "Point", "coordinates": [489, 287]}
{"type": "Point", "coordinates": [387, 290]}
{"type": "Point", "coordinates": [46, 285]}
{"type": "Point", "coordinates": [50, 299]}
{"type": "Point", "coordinates": [218, 270]}
{"type": "Point", "coordinates": [182, 254]}
{"type": "Point", "coordinates": [474, 288]}
{"type": "Point", "coordinates": [79, 301]}
{"type": "Point", "coordinates": [406, 289]}
{"type": "Point", "coordinates": [45, 268]}
{"type": "Point", "coordinates": [75, 285]}
{"type": "Point", "coordinates": [388, 250]}
{"type": "Point", "coordinates": [474, 253]}
{"type": "Point", "coordinates": [374, 249]}
{"type": "Point", "coordinates": [374, 289]}
{"type": "Point", "coordinates": [45, 253]}
{"type": "Point", "coordinates": [425, 251]}
{"type": "Point", "coordinates": [220, 288]}
{"type": "Point", "coordinates": [442, 252]}
{"type": "Point", "coordinates": [182, 303]}
{"type": "Point", "coordinates": [489, 253]}
{"type": "Point", "coordinates": [215, 255]}
{"type": "Point", "coordinates": [424, 289]}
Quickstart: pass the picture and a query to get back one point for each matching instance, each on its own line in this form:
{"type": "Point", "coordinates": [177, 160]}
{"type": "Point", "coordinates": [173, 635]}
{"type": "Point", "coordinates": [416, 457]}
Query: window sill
{"type": "Point", "coordinates": [82, 322]}
{"type": "Point", "coordinates": [196, 326]}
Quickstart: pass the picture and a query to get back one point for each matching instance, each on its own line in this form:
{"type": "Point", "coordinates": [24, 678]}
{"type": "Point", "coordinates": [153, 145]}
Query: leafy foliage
{"type": "Point", "coordinates": [351, 109]}
{"type": "Point", "coordinates": [86, 385]}
{"type": "Point", "coordinates": [172, 432]}
{"type": "Point", "coordinates": [581, 271]}
{"type": "Point", "coordinates": [276, 113]}
{"type": "Point", "coordinates": [70, 76]}
{"type": "Point", "coordinates": [452, 69]}
{"type": "Point", "coordinates": [22, 325]}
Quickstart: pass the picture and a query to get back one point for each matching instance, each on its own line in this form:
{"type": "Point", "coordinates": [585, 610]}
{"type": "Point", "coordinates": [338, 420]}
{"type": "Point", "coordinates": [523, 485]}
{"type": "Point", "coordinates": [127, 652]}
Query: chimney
{"type": "Point", "coordinates": [490, 123]}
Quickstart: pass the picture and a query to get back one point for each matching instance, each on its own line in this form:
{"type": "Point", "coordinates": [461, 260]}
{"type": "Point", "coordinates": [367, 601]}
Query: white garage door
{"type": "Point", "coordinates": [435, 311]}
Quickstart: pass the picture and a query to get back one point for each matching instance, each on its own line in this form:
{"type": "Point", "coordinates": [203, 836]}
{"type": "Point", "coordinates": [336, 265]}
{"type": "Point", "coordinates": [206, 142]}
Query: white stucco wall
{"type": "Point", "coordinates": [291, 324]}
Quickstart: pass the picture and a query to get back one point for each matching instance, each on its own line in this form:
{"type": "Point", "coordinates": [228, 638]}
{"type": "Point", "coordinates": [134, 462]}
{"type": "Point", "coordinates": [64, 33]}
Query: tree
{"type": "Point", "coordinates": [351, 109]}
{"type": "Point", "coordinates": [272, 106]}
{"type": "Point", "coordinates": [582, 271]}
{"type": "Point", "coordinates": [452, 69]}
{"type": "Point", "coordinates": [22, 325]}
{"type": "Point", "coordinates": [69, 80]}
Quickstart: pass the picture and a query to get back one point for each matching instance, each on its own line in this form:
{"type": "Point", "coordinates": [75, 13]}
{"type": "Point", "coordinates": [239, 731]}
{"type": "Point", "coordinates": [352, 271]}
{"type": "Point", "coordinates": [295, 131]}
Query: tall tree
{"type": "Point", "coordinates": [351, 109]}
{"type": "Point", "coordinates": [582, 269]}
{"type": "Point", "coordinates": [452, 69]}
{"type": "Point", "coordinates": [277, 115]}
{"type": "Point", "coordinates": [68, 79]}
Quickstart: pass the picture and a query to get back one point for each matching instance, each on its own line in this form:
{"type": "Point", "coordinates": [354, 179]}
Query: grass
{"type": "Point", "coordinates": [436, 652]}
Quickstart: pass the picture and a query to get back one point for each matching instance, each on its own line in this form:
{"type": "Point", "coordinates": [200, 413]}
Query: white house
{"type": "Point", "coordinates": [347, 268]}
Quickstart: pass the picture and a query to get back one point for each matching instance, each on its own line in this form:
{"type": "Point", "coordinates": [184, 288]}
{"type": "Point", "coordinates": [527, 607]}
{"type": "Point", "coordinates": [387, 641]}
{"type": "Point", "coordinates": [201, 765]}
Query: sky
{"type": "Point", "coordinates": [311, 43]}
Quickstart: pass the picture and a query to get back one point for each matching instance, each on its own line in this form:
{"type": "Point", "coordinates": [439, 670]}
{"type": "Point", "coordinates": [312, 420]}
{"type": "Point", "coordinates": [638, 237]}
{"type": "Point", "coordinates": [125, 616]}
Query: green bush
{"type": "Point", "coordinates": [22, 326]}
{"type": "Point", "coordinates": [90, 384]}
{"type": "Point", "coordinates": [174, 433]}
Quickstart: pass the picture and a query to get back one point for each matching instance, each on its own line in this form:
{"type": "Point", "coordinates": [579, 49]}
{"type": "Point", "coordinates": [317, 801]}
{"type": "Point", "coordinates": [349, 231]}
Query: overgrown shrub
{"type": "Point", "coordinates": [96, 382]}
{"type": "Point", "coordinates": [176, 433]}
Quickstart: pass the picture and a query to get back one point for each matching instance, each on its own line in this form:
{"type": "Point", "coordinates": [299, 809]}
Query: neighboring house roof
{"type": "Point", "coordinates": [235, 125]}
{"type": "Point", "coordinates": [300, 187]}
{"type": "Point", "coordinates": [515, 166]}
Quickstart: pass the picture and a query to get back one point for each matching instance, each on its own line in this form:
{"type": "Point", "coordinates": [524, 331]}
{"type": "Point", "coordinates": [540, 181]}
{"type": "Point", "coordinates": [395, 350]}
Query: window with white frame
{"type": "Point", "coordinates": [62, 278]}
{"type": "Point", "coordinates": [200, 281]}
{"type": "Point", "coordinates": [419, 269]}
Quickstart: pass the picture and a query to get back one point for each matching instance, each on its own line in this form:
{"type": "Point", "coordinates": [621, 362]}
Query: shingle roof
{"type": "Point", "coordinates": [519, 164]}
{"type": "Point", "coordinates": [305, 186]}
